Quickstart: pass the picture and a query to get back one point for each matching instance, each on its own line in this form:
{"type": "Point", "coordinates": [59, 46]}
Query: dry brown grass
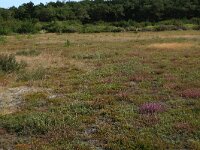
{"type": "Point", "coordinates": [45, 60]}
{"type": "Point", "coordinates": [170, 46]}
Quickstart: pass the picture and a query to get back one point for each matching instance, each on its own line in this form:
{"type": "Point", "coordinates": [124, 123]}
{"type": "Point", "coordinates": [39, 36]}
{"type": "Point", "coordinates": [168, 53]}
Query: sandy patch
{"type": "Point", "coordinates": [11, 98]}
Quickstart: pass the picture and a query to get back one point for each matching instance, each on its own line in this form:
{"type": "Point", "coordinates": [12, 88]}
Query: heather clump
{"type": "Point", "coordinates": [191, 93]}
{"type": "Point", "coordinates": [151, 108]}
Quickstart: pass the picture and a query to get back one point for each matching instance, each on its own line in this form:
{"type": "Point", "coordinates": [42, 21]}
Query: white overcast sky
{"type": "Point", "coordinates": [10, 3]}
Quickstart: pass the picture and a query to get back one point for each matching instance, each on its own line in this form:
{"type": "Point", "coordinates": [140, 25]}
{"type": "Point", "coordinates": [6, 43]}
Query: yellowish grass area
{"type": "Point", "coordinates": [45, 60]}
{"type": "Point", "coordinates": [171, 46]}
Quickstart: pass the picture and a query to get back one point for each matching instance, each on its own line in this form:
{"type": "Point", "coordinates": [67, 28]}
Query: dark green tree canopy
{"type": "Point", "coordinates": [106, 10]}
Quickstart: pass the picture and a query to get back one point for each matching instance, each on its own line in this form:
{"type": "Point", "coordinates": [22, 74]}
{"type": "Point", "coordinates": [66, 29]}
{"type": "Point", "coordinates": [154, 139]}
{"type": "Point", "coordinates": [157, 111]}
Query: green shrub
{"type": "Point", "coordinates": [27, 27]}
{"type": "Point", "coordinates": [28, 53]}
{"type": "Point", "coordinates": [114, 29]}
{"type": "Point", "coordinates": [2, 39]}
{"type": "Point", "coordinates": [4, 30]}
{"type": "Point", "coordinates": [132, 28]}
{"type": "Point", "coordinates": [8, 63]}
{"type": "Point", "coordinates": [55, 27]}
{"type": "Point", "coordinates": [148, 28]}
{"type": "Point", "coordinates": [169, 28]}
{"type": "Point", "coordinates": [93, 28]}
{"type": "Point", "coordinates": [70, 29]}
{"type": "Point", "coordinates": [34, 123]}
{"type": "Point", "coordinates": [123, 24]}
{"type": "Point", "coordinates": [195, 21]}
{"type": "Point", "coordinates": [196, 27]}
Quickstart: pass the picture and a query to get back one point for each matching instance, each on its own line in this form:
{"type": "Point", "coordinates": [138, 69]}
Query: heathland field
{"type": "Point", "coordinates": [103, 91]}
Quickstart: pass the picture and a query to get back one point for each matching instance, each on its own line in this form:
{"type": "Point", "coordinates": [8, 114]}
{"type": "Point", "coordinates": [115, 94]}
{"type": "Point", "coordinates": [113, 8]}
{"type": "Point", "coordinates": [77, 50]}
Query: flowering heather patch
{"type": "Point", "coordinates": [191, 93]}
{"type": "Point", "coordinates": [150, 108]}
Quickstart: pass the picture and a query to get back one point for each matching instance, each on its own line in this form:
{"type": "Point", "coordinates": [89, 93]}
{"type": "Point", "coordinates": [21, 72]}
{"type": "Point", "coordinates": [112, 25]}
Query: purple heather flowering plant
{"type": "Point", "coordinates": [151, 108]}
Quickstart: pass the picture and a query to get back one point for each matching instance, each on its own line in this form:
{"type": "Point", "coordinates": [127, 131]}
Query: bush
{"type": "Point", "coordinates": [8, 63]}
{"type": "Point", "coordinates": [54, 27]}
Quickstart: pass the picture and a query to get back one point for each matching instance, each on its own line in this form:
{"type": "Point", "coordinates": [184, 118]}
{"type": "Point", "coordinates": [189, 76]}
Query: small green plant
{"type": "Point", "coordinates": [67, 43]}
{"type": "Point", "coordinates": [8, 63]}
{"type": "Point", "coordinates": [28, 53]}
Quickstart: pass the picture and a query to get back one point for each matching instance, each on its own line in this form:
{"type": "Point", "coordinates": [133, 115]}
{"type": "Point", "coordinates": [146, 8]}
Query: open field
{"type": "Point", "coordinates": [113, 91]}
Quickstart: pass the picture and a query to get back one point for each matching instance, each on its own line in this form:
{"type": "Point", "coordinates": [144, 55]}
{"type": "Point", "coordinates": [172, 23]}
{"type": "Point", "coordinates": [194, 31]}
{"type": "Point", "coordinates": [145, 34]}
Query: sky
{"type": "Point", "coordinates": [10, 3]}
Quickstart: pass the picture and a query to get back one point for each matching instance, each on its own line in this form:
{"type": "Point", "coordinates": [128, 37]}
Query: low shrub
{"type": "Point", "coordinates": [123, 24]}
{"type": "Point", "coordinates": [28, 53]}
{"type": "Point", "coordinates": [132, 28]}
{"type": "Point", "coordinates": [195, 21]}
{"type": "Point", "coordinates": [70, 29]}
{"type": "Point", "coordinates": [4, 30]}
{"type": "Point", "coordinates": [62, 27]}
{"type": "Point", "coordinates": [93, 29]}
{"type": "Point", "coordinates": [27, 27]}
{"type": "Point", "coordinates": [115, 29]}
{"type": "Point", "coordinates": [2, 39]}
{"type": "Point", "coordinates": [8, 63]}
{"type": "Point", "coordinates": [33, 123]}
{"type": "Point", "coordinates": [169, 28]}
{"type": "Point", "coordinates": [36, 74]}
{"type": "Point", "coordinates": [196, 27]}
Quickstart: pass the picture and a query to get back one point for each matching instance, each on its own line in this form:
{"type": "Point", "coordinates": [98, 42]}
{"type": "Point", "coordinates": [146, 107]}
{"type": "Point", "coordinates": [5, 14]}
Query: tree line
{"type": "Point", "coordinates": [101, 16]}
{"type": "Point", "coordinates": [89, 11]}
